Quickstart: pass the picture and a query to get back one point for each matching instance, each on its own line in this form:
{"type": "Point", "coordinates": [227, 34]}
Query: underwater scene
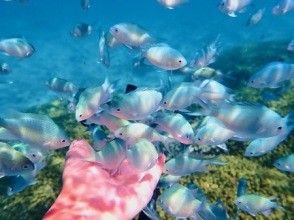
{"type": "Point", "coordinates": [147, 109]}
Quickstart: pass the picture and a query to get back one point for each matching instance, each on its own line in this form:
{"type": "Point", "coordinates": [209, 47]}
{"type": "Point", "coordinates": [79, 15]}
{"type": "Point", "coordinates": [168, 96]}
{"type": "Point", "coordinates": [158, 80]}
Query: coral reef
{"type": "Point", "coordinates": [220, 182]}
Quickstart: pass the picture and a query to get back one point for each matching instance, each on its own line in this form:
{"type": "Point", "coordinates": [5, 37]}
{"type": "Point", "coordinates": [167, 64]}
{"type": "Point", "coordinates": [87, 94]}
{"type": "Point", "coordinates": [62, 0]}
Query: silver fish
{"type": "Point", "coordinates": [171, 4]}
{"type": "Point", "coordinates": [272, 75]}
{"type": "Point", "coordinates": [111, 122]}
{"type": "Point", "coordinates": [142, 155]}
{"type": "Point", "coordinates": [230, 7]}
{"type": "Point", "coordinates": [35, 129]}
{"type": "Point", "coordinates": [136, 105]}
{"type": "Point", "coordinates": [256, 17]}
{"type": "Point", "coordinates": [62, 86]}
{"type": "Point", "coordinates": [208, 56]}
{"type": "Point", "coordinates": [183, 165]}
{"type": "Point", "coordinates": [103, 50]}
{"type": "Point", "coordinates": [262, 146]}
{"type": "Point", "coordinates": [133, 132]}
{"type": "Point", "coordinates": [249, 120]}
{"type": "Point", "coordinates": [179, 201]}
{"type": "Point", "coordinates": [12, 162]}
{"type": "Point", "coordinates": [212, 132]}
{"type": "Point", "coordinates": [285, 163]}
{"type": "Point", "coordinates": [112, 155]}
{"type": "Point", "coordinates": [180, 97]}
{"type": "Point", "coordinates": [255, 204]}
{"type": "Point", "coordinates": [16, 47]}
{"type": "Point", "coordinates": [165, 57]}
{"type": "Point", "coordinates": [99, 138]}
{"type": "Point", "coordinates": [283, 7]}
{"type": "Point", "coordinates": [131, 35]}
{"type": "Point", "coordinates": [91, 99]}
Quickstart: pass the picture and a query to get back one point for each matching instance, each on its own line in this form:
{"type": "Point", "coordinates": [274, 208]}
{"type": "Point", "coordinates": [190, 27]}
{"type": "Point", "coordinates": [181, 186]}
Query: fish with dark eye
{"type": "Point", "coordinates": [62, 86]}
{"type": "Point", "coordinates": [248, 119]}
{"type": "Point", "coordinates": [135, 105]}
{"type": "Point", "coordinates": [171, 4]}
{"type": "Point", "coordinates": [283, 7]}
{"type": "Point", "coordinates": [35, 154]}
{"type": "Point", "coordinates": [130, 35]}
{"type": "Point", "coordinates": [231, 7]}
{"type": "Point", "coordinates": [81, 30]}
{"type": "Point", "coordinates": [5, 68]}
{"type": "Point", "coordinates": [256, 204]}
{"type": "Point", "coordinates": [256, 17]}
{"type": "Point", "coordinates": [13, 162]}
{"type": "Point", "coordinates": [179, 201]}
{"type": "Point", "coordinates": [91, 100]}
{"type": "Point", "coordinates": [85, 4]}
{"type": "Point", "coordinates": [261, 146]}
{"type": "Point", "coordinates": [273, 75]}
{"type": "Point", "coordinates": [176, 125]}
{"type": "Point", "coordinates": [36, 129]}
{"type": "Point", "coordinates": [16, 47]}
{"type": "Point", "coordinates": [103, 50]}
{"type": "Point", "coordinates": [285, 163]}
{"type": "Point", "coordinates": [164, 57]}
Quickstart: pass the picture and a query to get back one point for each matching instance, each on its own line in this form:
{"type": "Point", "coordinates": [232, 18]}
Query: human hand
{"type": "Point", "coordinates": [91, 193]}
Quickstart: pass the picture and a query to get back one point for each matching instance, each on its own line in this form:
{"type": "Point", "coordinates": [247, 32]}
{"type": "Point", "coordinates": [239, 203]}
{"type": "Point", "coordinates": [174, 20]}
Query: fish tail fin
{"type": "Point", "coordinates": [289, 119]}
{"type": "Point", "coordinates": [108, 87]}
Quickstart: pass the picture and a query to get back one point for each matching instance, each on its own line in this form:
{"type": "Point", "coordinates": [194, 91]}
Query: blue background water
{"type": "Point", "coordinates": [47, 23]}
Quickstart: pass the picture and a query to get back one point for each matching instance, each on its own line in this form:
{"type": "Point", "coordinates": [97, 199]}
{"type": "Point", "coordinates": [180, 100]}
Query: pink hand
{"type": "Point", "coordinates": [91, 193]}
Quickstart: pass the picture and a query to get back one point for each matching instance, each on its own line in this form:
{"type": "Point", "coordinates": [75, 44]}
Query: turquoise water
{"type": "Point", "coordinates": [46, 24]}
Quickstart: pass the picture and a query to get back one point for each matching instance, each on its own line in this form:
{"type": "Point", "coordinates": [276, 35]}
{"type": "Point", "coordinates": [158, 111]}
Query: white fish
{"type": "Point", "coordinates": [176, 125]}
{"type": "Point", "coordinates": [256, 17]}
{"type": "Point", "coordinates": [16, 47]}
{"type": "Point", "coordinates": [131, 35]}
{"type": "Point", "coordinates": [283, 7]}
{"type": "Point", "coordinates": [230, 7]}
{"type": "Point", "coordinates": [165, 57]}
{"type": "Point", "coordinates": [291, 45]}
{"type": "Point", "coordinates": [272, 75]}
{"type": "Point", "coordinates": [285, 163]}
{"type": "Point", "coordinates": [91, 99]}
{"type": "Point", "coordinates": [171, 4]}
{"type": "Point", "coordinates": [103, 50]}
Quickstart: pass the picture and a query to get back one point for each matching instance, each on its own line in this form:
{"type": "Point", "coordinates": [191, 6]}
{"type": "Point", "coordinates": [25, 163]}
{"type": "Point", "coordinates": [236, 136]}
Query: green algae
{"type": "Point", "coordinates": [220, 182]}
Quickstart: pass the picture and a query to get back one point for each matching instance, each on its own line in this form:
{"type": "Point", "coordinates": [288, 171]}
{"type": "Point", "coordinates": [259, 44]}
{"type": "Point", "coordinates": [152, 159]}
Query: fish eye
{"type": "Point", "coordinates": [116, 30]}
{"type": "Point", "coordinates": [120, 134]}
{"type": "Point", "coordinates": [278, 164]}
{"type": "Point", "coordinates": [252, 81]}
{"type": "Point", "coordinates": [63, 141]}
{"type": "Point", "coordinates": [34, 155]}
{"type": "Point", "coordinates": [81, 115]}
{"type": "Point", "coordinates": [25, 166]}
{"type": "Point", "coordinates": [251, 153]}
{"type": "Point", "coordinates": [199, 139]}
{"type": "Point", "coordinates": [118, 109]}
{"type": "Point", "coordinates": [165, 103]}
{"type": "Point", "coordinates": [280, 128]}
{"type": "Point", "coordinates": [180, 61]}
